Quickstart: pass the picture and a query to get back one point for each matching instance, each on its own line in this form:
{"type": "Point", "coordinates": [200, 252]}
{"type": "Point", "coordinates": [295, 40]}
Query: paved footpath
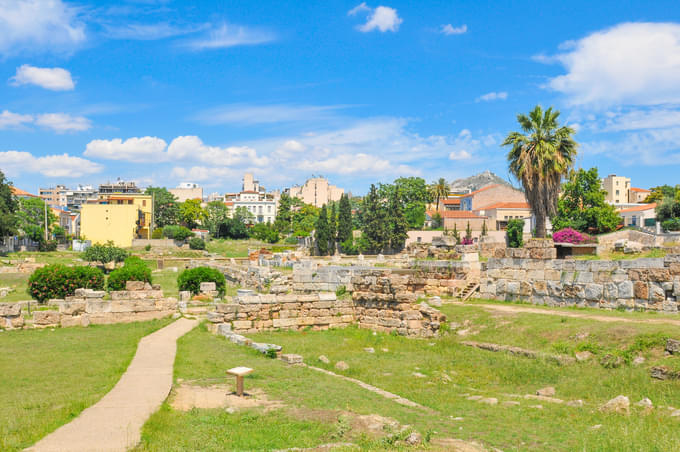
{"type": "Point", "coordinates": [115, 422]}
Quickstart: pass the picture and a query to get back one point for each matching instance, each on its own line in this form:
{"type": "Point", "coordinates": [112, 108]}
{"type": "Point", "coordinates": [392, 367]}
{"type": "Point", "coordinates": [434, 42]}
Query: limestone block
{"type": "Point", "coordinates": [327, 296]}
{"type": "Point", "coordinates": [284, 323]}
{"type": "Point", "coordinates": [641, 290]}
{"type": "Point", "coordinates": [215, 317]}
{"type": "Point", "coordinates": [611, 291]}
{"type": "Point", "coordinates": [46, 317]}
{"type": "Point", "coordinates": [625, 289]}
{"type": "Point", "coordinates": [593, 291]}
{"type": "Point", "coordinates": [513, 287]}
{"type": "Point", "coordinates": [97, 306]}
{"type": "Point", "coordinates": [656, 292]}
{"type": "Point", "coordinates": [10, 309]}
{"type": "Point", "coordinates": [207, 286]}
{"type": "Point", "coordinates": [68, 321]}
{"type": "Point", "coordinates": [584, 277]}
{"type": "Point", "coordinates": [242, 324]}
{"type": "Point", "coordinates": [72, 308]}
{"type": "Point", "coordinates": [134, 285]}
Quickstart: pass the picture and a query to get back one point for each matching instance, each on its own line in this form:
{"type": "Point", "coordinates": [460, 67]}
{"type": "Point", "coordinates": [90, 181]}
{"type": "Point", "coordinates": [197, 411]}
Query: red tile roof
{"type": "Point", "coordinates": [642, 190]}
{"type": "Point", "coordinates": [20, 192]}
{"type": "Point", "coordinates": [506, 205]}
{"type": "Point", "coordinates": [460, 214]}
{"type": "Point", "coordinates": [452, 201]}
{"type": "Point", "coordinates": [639, 208]}
{"type": "Point", "coordinates": [480, 190]}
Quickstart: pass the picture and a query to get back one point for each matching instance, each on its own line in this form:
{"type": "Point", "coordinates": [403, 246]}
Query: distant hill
{"type": "Point", "coordinates": [476, 182]}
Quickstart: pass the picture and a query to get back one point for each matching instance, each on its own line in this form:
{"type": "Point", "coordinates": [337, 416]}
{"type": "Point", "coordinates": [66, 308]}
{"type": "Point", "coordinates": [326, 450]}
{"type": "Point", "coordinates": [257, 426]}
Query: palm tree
{"type": "Point", "coordinates": [539, 157]}
{"type": "Point", "coordinates": [439, 190]}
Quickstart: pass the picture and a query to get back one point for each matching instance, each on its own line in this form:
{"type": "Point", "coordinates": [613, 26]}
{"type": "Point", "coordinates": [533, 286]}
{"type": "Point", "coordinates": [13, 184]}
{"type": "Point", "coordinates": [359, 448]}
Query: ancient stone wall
{"type": "Point", "coordinates": [649, 284]}
{"type": "Point", "coordinates": [262, 279]}
{"type": "Point", "coordinates": [137, 304]}
{"type": "Point", "coordinates": [25, 265]}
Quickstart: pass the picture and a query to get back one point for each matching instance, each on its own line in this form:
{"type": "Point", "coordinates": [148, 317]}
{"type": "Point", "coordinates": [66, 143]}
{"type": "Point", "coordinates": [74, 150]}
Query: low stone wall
{"type": "Point", "coordinates": [262, 279]}
{"type": "Point", "coordinates": [137, 304]}
{"type": "Point", "coordinates": [649, 284]}
{"type": "Point", "coordinates": [26, 265]}
{"type": "Point", "coordinates": [253, 313]}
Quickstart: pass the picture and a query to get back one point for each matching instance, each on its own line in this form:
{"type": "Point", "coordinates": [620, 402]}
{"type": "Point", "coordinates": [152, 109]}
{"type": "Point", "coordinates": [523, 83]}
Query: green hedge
{"type": "Point", "coordinates": [59, 281]}
{"type": "Point", "coordinates": [105, 253]}
{"type": "Point", "coordinates": [191, 279]}
{"type": "Point", "coordinates": [196, 243]}
{"type": "Point", "coordinates": [515, 232]}
{"type": "Point", "coordinates": [134, 269]}
{"type": "Point", "coordinates": [179, 233]}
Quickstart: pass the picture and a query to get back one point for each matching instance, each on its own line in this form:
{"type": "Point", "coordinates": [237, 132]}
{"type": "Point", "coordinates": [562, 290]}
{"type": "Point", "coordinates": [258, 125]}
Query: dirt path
{"type": "Point", "coordinates": [114, 423]}
{"type": "Point", "coordinates": [513, 308]}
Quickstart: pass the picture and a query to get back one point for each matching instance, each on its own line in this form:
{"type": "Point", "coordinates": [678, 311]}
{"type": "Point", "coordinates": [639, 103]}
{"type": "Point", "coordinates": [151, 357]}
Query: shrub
{"type": "Point", "coordinates": [515, 232]}
{"type": "Point", "coordinates": [672, 224]}
{"type": "Point", "coordinates": [59, 281]}
{"type": "Point", "coordinates": [105, 253]}
{"type": "Point", "coordinates": [147, 247]}
{"type": "Point", "coordinates": [134, 269]}
{"type": "Point", "coordinates": [196, 243]}
{"type": "Point", "coordinates": [466, 241]}
{"type": "Point", "coordinates": [569, 235]}
{"type": "Point", "coordinates": [157, 233]}
{"type": "Point", "coordinates": [179, 233]}
{"type": "Point", "coordinates": [292, 240]}
{"type": "Point", "coordinates": [47, 245]}
{"type": "Point", "coordinates": [191, 279]}
{"type": "Point", "coordinates": [349, 247]}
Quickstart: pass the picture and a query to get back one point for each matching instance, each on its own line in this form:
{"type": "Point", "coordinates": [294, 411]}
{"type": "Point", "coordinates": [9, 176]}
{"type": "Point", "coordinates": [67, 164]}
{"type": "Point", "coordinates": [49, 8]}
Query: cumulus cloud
{"type": "Point", "coordinates": [501, 95]}
{"type": "Point", "coordinates": [147, 32]}
{"type": "Point", "coordinates": [226, 36]}
{"type": "Point", "coordinates": [192, 146]}
{"type": "Point", "coordinates": [11, 120]}
{"type": "Point", "coordinates": [36, 26]}
{"type": "Point", "coordinates": [449, 29]}
{"type": "Point", "coordinates": [61, 166]}
{"type": "Point", "coordinates": [142, 149]}
{"type": "Point", "coordinates": [62, 122]}
{"type": "Point", "coordinates": [382, 18]}
{"type": "Point", "coordinates": [654, 147]}
{"type": "Point", "coordinates": [630, 63]}
{"type": "Point", "coordinates": [55, 79]}
{"type": "Point", "coordinates": [247, 114]}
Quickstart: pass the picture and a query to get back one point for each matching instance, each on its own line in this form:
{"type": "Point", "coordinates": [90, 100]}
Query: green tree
{"type": "Point", "coordinates": [332, 230]}
{"type": "Point", "coordinates": [455, 234]}
{"type": "Point", "coordinates": [582, 205]}
{"type": "Point", "coordinates": [243, 215]}
{"type": "Point", "coordinates": [415, 215]}
{"type": "Point", "coordinates": [191, 213]}
{"type": "Point", "coordinates": [484, 230]}
{"type": "Point", "coordinates": [414, 195]}
{"type": "Point", "coordinates": [439, 190]}
{"type": "Point", "coordinates": [322, 234]}
{"type": "Point", "coordinates": [165, 206]}
{"type": "Point", "coordinates": [345, 226]}
{"type": "Point", "coordinates": [468, 233]}
{"type": "Point", "coordinates": [31, 218]}
{"type": "Point", "coordinates": [437, 221]}
{"type": "Point", "coordinates": [8, 208]}
{"type": "Point", "coordinates": [397, 225]}
{"type": "Point", "coordinates": [662, 191]}
{"type": "Point", "coordinates": [374, 218]}
{"type": "Point", "coordinates": [216, 213]}
{"type": "Point", "coordinates": [305, 217]}
{"type": "Point", "coordinates": [515, 231]}
{"type": "Point", "coordinates": [284, 216]}
{"type": "Point", "coordinates": [539, 158]}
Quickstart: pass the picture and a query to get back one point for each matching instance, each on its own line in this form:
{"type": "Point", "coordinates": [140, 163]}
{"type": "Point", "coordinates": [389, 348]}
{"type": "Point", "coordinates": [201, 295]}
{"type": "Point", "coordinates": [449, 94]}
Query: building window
{"type": "Point", "coordinates": [617, 192]}
{"type": "Point", "coordinates": [144, 202]}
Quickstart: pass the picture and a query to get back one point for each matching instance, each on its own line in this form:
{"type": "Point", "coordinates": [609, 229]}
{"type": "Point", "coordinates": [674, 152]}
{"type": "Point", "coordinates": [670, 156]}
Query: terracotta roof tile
{"type": "Point", "coordinates": [506, 205]}
{"type": "Point", "coordinates": [19, 192]}
{"type": "Point", "coordinates": [639, 208]}
{"type": "Point", "coordinates": [460, 214]}
{"type": "Point", "coordinates": [641, 190]}
{"type": "Point", "coordinates": [480, 190]}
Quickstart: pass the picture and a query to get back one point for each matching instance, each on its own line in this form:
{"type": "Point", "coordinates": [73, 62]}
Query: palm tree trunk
{"type": "Point", "coordinates": [540, 225]}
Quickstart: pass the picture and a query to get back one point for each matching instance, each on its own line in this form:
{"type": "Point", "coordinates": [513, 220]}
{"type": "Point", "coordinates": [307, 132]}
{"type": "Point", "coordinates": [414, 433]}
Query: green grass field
{"type": "Point", "coordinates": [448, 373]}
{"type": "Point", "coordinates": [18, 282]}
{"type": "Point", "coordinates": [47, 377]}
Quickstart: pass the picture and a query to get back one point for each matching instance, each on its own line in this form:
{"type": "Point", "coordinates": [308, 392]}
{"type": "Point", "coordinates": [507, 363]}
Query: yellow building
{"type": "Point", "coordinates": [117, 217]}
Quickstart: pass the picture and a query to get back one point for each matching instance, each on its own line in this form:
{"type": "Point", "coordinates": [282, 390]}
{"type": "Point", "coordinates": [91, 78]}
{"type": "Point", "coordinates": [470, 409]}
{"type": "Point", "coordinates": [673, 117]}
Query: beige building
{"type": "Point", "coordinates": [316, 191]}
{"type": "Point", "coordinates": [640, 216]}
{"type": "Point", "coordinates": [117, 217]}
{"type": "Point", "coordinates": [617, 188]}
{"type": "Point", "coordinates": [491, 194]}
{"type": "Point", "coordinates": [500, 213]}
{"type": "Point", "coordinates": [461, 219]}
{"type": "Point", "coordinates": [54, 196]}
{"type": "Point", "coordinates": [187, 190]}
{"type": "Point", "coordinates": [638, 195]}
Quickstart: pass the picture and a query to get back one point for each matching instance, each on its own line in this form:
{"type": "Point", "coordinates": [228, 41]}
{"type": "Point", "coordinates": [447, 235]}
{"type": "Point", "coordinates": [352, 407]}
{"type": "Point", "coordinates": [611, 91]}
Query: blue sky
{"type": "Point", "coordinates": [167, 91]}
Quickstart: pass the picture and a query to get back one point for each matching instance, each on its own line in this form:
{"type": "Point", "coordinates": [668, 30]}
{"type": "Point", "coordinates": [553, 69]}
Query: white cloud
{"type": "Point", "coordinates": [55, 79]}
{"type": "Point", "coordinates": [449, 30]}
{"type": "Point", "coordinates": [266, 114]}
{"type": "Point", "coordinates": [11, 120]}
{"type": "Point", "coordinates": [501, 95]}
{"type": "Point", "coordinates": [144, 149]}
{"type": "Point", "coordinates": [148, 32]}
{"type": "Point", "coordinates": [184, 147]}
{"type": "Point", "coordinates": [630, 63]}
{"type": "Point", "coordinates": [62, 122]}
{"type": "Point", "coordinates": [203, 173]}
{"type": "Point", "coordinates": [654, 147]}
{"type": "Point", "coordinates": [382, 18]}
{"type": "Point", "coordinates": [61, 166]}
{"type": "Point", "coordinates": [34, 26]}
{"type": "Point", "coordinates": [226, 36]}
{"type": "Point", "coordinates": [656, 118]}
{"type": "Point", "coordinates": [348, 164]}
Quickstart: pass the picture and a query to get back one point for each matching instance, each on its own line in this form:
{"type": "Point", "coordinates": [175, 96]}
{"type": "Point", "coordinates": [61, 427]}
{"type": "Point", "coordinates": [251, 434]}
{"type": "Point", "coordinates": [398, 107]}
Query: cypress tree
{"type": "Point", "coordinates": [455, 234]}
{"type": "Point", "coordinates": [284, 216]}
{"type": "Point", "coordinates": [397, 224]}
{"type": "Point", "coordinates": [484, 228]}
{"type": "Point", "coordinates": [468, 232]}
{"type": "Point", "coordinates": [344, 219]}
{"type": "Point", "coordinates": [322, 235]}
{"type": "Point", "coordinates": [374, 231]}
{"type": "Point", "coordinates": [332, 230]}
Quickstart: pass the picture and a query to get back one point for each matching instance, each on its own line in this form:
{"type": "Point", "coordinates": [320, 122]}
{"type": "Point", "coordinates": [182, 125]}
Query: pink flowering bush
{"type": "Point", "coordinates": [569, 235]}
{"type": "Point", "coordinates": [466, 241]}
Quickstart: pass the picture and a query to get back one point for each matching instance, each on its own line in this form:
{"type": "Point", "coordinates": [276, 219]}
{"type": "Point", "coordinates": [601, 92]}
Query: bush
{"type": "Point", "coordinates": [672, 224]}
{"type": "Point", "coordinates": [47, 245]}
{"type": "Point", "coordinates": [349, 247]}
{"type": "Point", "coordinates": [157, 233]}
{"type": "Point", "coordinates": [515, 231]}
{"type": "Point", "coordinates": [147, 247]}
{"type": "Point", "coordinates": [134, 269]}
{"type": "Point", "coordinates": [59, 281]}
{"type": "Point", "coordinates": [105, 253]}
{"type": "Point", "coordinates": [291, 240]}
{"type": "Point", "coordinates": [196, 243]}
{"type": "Point", "coordinates": [569, 235]}
{"type": "Point", "coordinates": [191, 279]}
{"type": "Point", "coordinates": [179, 233]}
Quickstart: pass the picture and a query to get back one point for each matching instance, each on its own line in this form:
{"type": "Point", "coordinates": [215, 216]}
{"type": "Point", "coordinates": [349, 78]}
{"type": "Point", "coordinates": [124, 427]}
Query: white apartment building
{"type": "Point", "coordinates": [316, 191]}
{"type": "Point", "coordinates": [187, 190]}
{"type": "Point", "coordinates": [617, 188]}
{"type": "Point", "coordinates": [255, 200]}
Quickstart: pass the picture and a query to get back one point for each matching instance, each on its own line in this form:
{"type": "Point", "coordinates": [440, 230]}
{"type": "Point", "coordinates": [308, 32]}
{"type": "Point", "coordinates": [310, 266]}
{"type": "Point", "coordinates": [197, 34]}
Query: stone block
{"type": "Point", "coordinates": [10, 309]}
{"type": "Point", "coordinates": [184, 295]}
{"type": "Point", "coordinates": [593, 291]}
{"type": "Point", "coordinates": [97, 306]}
{"type": "Point", "coordinates": [242, 324]}
{"type": "Point", "coordinates": [134, 285]}
{"type": "Point", "coordinates": [206, 287]}
{"type": "Point", "coordinates": [641, 290]}
{"type": "Point", "coordinates": [69, 321]}
{"type": "Point", "coordinates": [215, 317]}
{"type": "Point", "coordinates": [284, 323]}
{"type": "Point", "coordinates": [72, 308]}
{"type": "Point", "coordinates": [625, 289]}
{"type": "Point", "coordinates": [46, 317]}
{"type": "Point", "coordinates": [225, 308]}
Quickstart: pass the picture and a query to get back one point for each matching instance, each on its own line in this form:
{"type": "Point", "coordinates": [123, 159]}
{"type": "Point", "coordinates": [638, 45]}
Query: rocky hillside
{"type": "Point", "coordinates": [476, 182]}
